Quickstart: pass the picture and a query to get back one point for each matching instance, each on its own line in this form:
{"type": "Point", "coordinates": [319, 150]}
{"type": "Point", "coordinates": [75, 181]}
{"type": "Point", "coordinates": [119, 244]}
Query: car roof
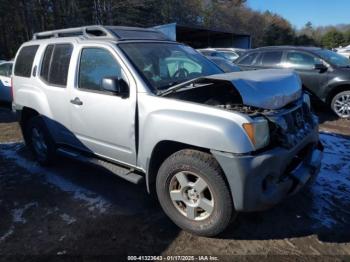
{"type": "Point", "coordinates": [287, 47]}
{"type": "Point", "coordinates": [102, 33]}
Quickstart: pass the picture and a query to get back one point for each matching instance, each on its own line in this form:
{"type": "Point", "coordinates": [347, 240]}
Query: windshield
{"type": "Point", "coordinates": [334, 58]}
{"type": "Point", "coordinates": [229, 55]}
{"type": "Point", "coordinates": [165, 64]}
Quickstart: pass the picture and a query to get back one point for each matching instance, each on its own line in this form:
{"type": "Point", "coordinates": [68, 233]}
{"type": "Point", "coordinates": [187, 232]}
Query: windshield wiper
{"type": "Point", "coordinates": [185, 85]}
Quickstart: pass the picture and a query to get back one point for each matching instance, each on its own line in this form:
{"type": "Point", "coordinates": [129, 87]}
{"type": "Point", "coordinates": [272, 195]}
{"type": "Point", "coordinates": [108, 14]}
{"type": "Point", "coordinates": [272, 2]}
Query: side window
{"type": "Point", "coordinates": [271, 58]}
{"type": "Point", "coordinates": [45, 66]}
{"type": "Point", "coordinates": [95, 64]}
{"type": "Point", "coordinates": [3, 70]}
{"type": "Point", "coordinates": [60, 64]}
{"type": "Point", "coordinates": [24, 61]}
{"type": "Point", "coordinates": [299, 60]}
{"type": "Point", "coordinates": [248, 59]}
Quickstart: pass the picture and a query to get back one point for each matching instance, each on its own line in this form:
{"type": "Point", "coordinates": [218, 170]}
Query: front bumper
{"type": "Point", "coordinates": [260, 181]}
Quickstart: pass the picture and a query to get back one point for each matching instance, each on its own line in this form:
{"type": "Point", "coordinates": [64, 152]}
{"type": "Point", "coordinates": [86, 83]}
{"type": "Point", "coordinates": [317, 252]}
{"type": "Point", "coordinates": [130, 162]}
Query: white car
{"type": "Point", "coordinates": [5, 81]}
{"type": "Point", "coordinates": [345, 51]}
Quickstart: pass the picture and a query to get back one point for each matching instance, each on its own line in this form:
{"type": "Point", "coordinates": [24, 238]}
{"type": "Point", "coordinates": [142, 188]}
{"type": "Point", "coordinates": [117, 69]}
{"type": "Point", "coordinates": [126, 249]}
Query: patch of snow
{"type": "Point", "coordinates": [17, 213]}
{"type": "Point", "coordinates": [68, 219]}
{"type": "Point", "coordinates": [92, 200]}
{"type": "Point", "coordinates": [333, 182]}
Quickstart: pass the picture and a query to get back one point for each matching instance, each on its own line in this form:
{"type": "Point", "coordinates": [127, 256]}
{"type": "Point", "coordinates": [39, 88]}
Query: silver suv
{"type": "Point", "coordinates": [157, 112]}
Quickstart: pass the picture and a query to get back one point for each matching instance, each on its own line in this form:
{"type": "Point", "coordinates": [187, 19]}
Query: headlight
{"type": "Point", "coordinates": [258, 132]}
{"type": "Point", "coordinates": [306, 100]}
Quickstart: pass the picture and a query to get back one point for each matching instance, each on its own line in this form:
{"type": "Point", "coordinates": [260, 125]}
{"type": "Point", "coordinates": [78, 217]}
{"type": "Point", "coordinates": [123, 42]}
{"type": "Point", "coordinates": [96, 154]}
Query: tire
{"type": "Point", "coordinates": [39, 141]}
{"type": "Point", "coordinates": [341, 104]}
{"type": "Point", "coordinates": [185, 174]}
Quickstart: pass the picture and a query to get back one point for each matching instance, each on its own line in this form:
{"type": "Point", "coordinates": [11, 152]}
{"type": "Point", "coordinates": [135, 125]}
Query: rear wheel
{"type": "Point", "coordinates": [341, 104]}
{"type": "Point", "coordinates": [39, 141]}
{"type": "Point", "coordinates": [193, 193]}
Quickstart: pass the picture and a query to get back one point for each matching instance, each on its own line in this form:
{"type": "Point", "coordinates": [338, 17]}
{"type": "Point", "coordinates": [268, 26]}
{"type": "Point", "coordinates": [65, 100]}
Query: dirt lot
{"type": "Point", "coordinates": [76, 210]}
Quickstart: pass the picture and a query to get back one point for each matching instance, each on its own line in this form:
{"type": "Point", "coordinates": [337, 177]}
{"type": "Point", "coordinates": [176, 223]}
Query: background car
{"type": "Point", "coordinates": [227, 53]}
{"type": "Point", "coordinates": [344, 51]}
{"type": "Point", "coordinates": [225, 65]}
{"type": "Point", "coordinates": [324, 73]}
{"type": "Point", "coordinates": [5, 81]}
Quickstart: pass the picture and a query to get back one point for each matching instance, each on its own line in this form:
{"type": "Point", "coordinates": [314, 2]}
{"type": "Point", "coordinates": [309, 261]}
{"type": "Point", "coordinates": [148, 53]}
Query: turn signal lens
{"type": "Point", "coordinates": [258, 132]}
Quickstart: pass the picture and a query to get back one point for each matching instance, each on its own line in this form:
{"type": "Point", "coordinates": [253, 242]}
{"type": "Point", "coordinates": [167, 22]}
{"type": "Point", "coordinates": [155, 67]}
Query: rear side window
{"type": "Point", "coordinates": [248, 59]}
{"type": "Point", "coordinates": [45, 66]}
{"type": "Point", "coordinates": [24, 61]}
{"type": "Point", "coordinates": [55, 64]}
{"type": "Point", "coordinates": [6, 69]}
{"type": "Point", "coordinates": [271, 58]}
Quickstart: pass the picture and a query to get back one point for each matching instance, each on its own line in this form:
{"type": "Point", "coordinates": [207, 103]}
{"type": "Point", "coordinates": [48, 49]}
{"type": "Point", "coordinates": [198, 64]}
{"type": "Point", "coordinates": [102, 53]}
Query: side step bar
{"type": "Point", "coordinates": [123, 172]}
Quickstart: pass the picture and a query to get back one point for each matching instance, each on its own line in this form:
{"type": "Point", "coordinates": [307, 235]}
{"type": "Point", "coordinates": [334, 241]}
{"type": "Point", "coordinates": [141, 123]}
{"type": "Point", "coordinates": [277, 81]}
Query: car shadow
{"type": "Point", "coordinates": [6, 116]}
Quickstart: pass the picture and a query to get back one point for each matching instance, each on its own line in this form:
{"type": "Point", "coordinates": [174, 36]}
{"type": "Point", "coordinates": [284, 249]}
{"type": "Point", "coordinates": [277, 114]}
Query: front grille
{"type": "Point", "coordinates": [291, 127]}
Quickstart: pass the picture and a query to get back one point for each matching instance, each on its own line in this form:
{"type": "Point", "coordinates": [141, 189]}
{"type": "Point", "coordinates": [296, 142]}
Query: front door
{"type": "Point", "coordinates": [304, 64]}
{"type": "Point", "coordinates": [103, 123]}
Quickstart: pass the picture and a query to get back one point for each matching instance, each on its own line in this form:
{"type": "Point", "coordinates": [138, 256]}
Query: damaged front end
{"type": "Point", "coordinates": [273, 95]}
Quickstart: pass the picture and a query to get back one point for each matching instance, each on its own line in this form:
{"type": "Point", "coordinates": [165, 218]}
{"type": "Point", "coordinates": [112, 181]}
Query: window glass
{"type": "Point", "coordinates": [3, 70]}
{"type": "Point", "coordinates": [24, 61]}
{"type": "Point", "coordinates": [45, 66]}
{"type": "Point", "coordinates": [6, 69]}
{"type": "Point", "coordinates": [164, 65]}
{"type": "Point", "coordinates": [60, 64]}
{"type": "Point", "coordinates": [271, 58]}
{"type": "Point", "coordinates": [299, 60]}
{"type": "Point", "coordinates": [248, 59]}
{"type": "Point", "coordinates": [96, 64]}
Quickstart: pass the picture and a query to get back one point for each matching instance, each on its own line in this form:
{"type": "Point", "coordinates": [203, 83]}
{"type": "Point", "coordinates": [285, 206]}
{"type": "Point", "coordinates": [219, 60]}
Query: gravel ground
{"type": "Point", "coordinates": [72, 210]}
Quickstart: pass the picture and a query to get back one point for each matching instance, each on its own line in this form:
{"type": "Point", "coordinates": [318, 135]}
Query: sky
{"type": "Point", "coordinates": [299, 12]}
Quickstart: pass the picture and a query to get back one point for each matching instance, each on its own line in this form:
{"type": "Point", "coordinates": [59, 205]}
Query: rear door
{"type": "Point", "coordinates": [103, 123]}
{"type": "Point", "coordinates": [53, 75]}
{"type": "Point", "coordinates": [304, 64]}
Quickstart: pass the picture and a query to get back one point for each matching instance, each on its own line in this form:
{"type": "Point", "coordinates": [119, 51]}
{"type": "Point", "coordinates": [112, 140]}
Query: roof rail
{"type": "Point", "coordinates": [93, 31]}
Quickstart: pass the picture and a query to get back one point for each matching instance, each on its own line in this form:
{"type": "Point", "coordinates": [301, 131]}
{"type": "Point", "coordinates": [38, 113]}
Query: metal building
{"type": "Point", "coordinates": [199, 37]}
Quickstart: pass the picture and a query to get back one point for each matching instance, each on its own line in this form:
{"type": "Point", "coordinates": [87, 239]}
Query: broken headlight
{"type": "Point", "coordinates": [258, 132]}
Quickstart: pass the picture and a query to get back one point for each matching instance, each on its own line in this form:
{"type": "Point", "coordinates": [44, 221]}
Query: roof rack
{"type": "Point", "coordinates": [105, 32]}
{"type": "Point", "coordinates": [87, 31]}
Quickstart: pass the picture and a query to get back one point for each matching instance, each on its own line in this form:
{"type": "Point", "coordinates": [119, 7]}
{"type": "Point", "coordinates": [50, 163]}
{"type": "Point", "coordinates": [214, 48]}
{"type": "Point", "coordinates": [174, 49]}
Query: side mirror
{"type": "Point", "coordinates": [320, 67]}
{"type": "Point", "coordinates": [115, 85]}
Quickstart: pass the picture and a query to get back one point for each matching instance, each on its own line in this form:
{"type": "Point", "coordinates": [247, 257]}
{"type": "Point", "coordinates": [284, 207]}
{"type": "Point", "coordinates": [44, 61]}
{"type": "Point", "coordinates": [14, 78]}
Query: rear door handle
{"type": "Point", "coordinates": [76, 101]}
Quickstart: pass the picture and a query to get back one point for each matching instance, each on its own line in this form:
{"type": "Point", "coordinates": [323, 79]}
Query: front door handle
{"type": "Point", "coordinates": [76, 101]}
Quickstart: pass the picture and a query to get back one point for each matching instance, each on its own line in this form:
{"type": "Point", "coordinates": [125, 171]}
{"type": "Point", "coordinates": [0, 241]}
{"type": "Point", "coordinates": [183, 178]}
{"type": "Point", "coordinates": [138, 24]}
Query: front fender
{"type": "Point", "coordinates": [192, 124]}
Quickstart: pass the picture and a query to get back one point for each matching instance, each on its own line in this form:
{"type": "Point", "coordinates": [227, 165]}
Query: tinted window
{"type": "Point", "coordinates": [6, 69]}
{"type": "Point", "coordinates": [248, 59]}
{"type": "Point", "coordinates": [24, 61]}
{"type": "Point", "coordinates": [45, 66]}
{"type": "Point", "coordinates": [60, 64]}
{"type": "Point", "coordinates": [271, 58]}
{"type": "Point", "coordinates": [300, 60]}
{"type": "Point", "coordinates": [95, 64]}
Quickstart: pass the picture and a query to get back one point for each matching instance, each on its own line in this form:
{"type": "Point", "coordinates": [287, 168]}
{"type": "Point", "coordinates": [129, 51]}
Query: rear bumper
{"type": "Point", "coordinates": [260, 181]}
{"type": "Point", "coordinates": [5, 94]}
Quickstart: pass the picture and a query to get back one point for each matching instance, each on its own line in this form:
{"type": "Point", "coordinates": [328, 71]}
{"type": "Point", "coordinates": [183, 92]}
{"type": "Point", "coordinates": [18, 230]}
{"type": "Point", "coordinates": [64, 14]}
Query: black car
{"type": "Point", "coordinates": [324, 73]}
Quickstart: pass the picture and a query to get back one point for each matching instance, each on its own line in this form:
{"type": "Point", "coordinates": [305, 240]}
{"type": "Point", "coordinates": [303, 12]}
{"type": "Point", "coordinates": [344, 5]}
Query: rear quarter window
{"type": "Point", "coordinates": [24, 61]}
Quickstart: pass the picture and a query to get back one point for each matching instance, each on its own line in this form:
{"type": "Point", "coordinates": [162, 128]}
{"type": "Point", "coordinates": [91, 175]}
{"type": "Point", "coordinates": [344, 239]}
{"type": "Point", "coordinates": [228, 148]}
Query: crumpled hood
{"type": "Point", "coordinates": [267, 89]}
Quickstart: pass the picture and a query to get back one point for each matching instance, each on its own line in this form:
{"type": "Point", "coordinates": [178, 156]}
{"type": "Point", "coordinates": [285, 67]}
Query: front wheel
{"type": "Point", "coordinates": [193, 193]}
{"type": "Point", "coordinates": [341, 104]}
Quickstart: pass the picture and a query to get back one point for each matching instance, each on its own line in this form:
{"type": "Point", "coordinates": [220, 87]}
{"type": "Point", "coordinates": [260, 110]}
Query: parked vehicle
{"type": "Point", "coordinates": [224, 65]}
{"type": "Point", "coordinates": [5, 81]}
{"type": "Point", "coordinates": [147, 108]}
{"type": "Point", "coordinates": [229, 54]}
{"type": "Point", "coordinates": [324, 73]}
{"type": "Point", "coordinates": [344, 51]}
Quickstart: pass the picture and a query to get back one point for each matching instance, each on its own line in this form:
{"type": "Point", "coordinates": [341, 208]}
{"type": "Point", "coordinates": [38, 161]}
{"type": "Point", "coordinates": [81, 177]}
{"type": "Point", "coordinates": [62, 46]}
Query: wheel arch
{"type": "Point", "coordinates": [335, 90]}
{"type": "Point", "coordinates": [160, 152]}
